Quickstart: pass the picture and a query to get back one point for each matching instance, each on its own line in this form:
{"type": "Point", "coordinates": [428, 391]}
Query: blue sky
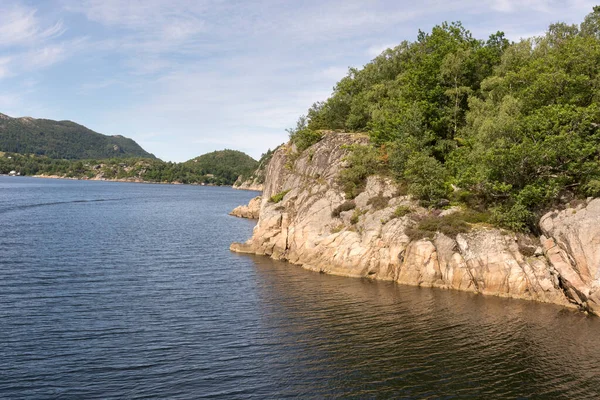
{"type": "Point", "coordinates": [185, 77]}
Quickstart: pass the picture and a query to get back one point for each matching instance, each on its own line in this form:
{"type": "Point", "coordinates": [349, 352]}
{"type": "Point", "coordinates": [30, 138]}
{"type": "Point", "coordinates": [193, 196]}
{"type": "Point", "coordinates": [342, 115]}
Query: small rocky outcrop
{"type": "Point", "coordinates": [249, 184]}
{"type": "Point", "coordinates": [372, 241]}
{"type": "Point", "coordinates": [251, 211]}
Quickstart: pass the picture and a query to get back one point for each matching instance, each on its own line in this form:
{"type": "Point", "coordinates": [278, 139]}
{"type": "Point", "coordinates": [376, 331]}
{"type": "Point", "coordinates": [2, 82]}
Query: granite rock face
{"type": "Point", "coordinates": [571, 242]}
{"type": "Point", "coordinates": [251, 211]}
{"type": "Point", "coordinates": [372, 242]}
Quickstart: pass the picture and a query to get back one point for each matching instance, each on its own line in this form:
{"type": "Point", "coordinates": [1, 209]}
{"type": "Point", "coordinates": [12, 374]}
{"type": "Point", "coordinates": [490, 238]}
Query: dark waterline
{"type": "Point", "coordinates": [117, 290]}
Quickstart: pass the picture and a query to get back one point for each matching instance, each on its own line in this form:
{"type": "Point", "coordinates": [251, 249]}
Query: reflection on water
{"type": "Point", "coordinates": [359, 337]}
{"type": "Point", "coordinates": [141, 298]}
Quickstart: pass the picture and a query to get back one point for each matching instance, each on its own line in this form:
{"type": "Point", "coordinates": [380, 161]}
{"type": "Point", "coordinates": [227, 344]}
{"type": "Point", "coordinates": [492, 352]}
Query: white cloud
{"type": "Point", "coordinates": [31, 41]}
{"type": "Point", "coordinates": [38, 57]}
{"type": "Point", "coordinates": [147, 20]}
{"type": "Point", "coordinates": [43, 57]}
{"type": "Point", "coordinates": [20, 26]}
{"type": "Point", "coordinates": [135, 14]}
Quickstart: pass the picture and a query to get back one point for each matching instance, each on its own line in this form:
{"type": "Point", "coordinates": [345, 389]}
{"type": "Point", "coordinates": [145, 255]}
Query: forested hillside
{"type": "Point", "coordinates": [509, 129]}
{"type": "Point", "coordinates": [62, 139]}
{"type": "Point", "coordinates": [227, 164]}
{"type": "Point", "coordinates": [217, 168]}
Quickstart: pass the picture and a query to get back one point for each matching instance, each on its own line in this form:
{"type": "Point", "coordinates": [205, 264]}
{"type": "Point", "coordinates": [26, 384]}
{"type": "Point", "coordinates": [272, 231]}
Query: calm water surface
{"type": "Point", "coordinates": [115, 290]}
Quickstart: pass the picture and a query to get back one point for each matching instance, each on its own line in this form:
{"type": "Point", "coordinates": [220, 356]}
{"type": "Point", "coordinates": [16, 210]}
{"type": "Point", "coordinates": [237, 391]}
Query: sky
{"type": "Point", "coordinates": [186, 77]}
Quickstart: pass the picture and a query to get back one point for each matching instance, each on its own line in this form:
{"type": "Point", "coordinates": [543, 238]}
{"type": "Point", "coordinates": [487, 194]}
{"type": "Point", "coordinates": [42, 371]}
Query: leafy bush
{"type": "Point", "coordinates": [302, 136]}
{"type": "Point", "coordinates": [345, 206]}
{"type": "Point", "coordinates": [276, 198]}
{"type": "Point", "coordinates": [516, 218]}
{"type": "Point", "coordinates": [426, 178]}
{"type": "Point", "coordinates": [592, 188]}
{"type": "Point", "coordinates": [363, 161]}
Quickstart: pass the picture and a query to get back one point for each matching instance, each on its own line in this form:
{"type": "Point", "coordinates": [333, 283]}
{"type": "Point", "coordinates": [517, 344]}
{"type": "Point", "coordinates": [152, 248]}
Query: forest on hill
{"type": "Point", "coordinates": [31, 146]}
{"type": "Point", "coordinates": [63, 139]}
{"type": "Point", "coordinates": [507, 128]}
{"type": "Point", "coordinates": [228, 165]}
{"type": "Point", "coordinates": [217, 168]}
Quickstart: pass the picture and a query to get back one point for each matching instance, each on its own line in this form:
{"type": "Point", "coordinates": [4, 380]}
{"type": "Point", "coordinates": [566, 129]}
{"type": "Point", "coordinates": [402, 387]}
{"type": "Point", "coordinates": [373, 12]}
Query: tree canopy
{"type": "Point", "coordinates": [513, 128]}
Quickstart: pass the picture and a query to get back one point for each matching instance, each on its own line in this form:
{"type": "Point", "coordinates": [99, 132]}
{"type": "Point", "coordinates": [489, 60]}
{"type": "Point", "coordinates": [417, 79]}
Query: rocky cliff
{"type": "Point", "coordinates": [250, 211]}
{"type": "Point", "coordinates": [297, 223]}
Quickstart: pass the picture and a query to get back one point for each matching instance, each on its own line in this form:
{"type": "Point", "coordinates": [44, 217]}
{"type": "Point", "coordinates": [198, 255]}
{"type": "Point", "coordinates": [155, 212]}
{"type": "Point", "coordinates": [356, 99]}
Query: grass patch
{"type": "Point", "coordinates": [450, 225]}
{"type": "Point", "coordinates": [356, 216]}
{"type": "Point", "coordinates": [402, 211]}
{"type": "Point", "coordinates": [276, 198]}
{"type": "Point", "coordinates": [337, 229]}
{"type": "Point", "coordinates": [346, 206]}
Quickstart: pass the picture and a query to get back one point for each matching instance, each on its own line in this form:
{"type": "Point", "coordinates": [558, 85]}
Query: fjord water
{"type": "Point", "coordinates": [117, 290]}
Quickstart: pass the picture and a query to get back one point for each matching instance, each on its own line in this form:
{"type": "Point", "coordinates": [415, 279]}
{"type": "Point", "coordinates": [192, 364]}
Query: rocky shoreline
{"type": "Point", "coordinates": [372, 241]}
{"type": "Point", "coordinates": [251, 211]}
{"type": "Point", "coordinates": [252, 185]}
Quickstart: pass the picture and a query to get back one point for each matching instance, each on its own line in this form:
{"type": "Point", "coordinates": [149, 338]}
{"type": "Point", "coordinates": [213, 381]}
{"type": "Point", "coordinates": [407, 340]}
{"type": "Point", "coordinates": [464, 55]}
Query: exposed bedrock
{"type": "Point", "coordinates": [372, 242]}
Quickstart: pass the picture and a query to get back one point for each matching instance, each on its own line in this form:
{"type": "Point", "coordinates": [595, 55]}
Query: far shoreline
{"type": "Point", "coordinates": [119, 180]}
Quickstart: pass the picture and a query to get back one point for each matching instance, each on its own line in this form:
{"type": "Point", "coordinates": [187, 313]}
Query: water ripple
{"type": "Point", "coordinates": [136, 296]}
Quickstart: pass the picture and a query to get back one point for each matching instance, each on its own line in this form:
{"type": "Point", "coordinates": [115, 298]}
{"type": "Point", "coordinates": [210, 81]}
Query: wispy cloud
{"type": "Point", "coordinates": [19, 25]}
{"type": "Point", "coordinates": [32, 42]}
{"type": "Point", "coordinates": [189, 76]}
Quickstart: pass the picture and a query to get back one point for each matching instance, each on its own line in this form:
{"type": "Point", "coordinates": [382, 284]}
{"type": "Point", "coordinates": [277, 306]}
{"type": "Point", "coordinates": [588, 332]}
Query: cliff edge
{"type": "Point", "coordinates": [305, 219]}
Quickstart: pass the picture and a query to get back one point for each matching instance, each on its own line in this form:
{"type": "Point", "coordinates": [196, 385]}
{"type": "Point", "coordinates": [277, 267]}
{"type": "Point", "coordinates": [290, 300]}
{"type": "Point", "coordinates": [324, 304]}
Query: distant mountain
{"type": "Point", "coordinates": [228, 165]}
{"type": "Point", "coordinates": [63, 139]}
